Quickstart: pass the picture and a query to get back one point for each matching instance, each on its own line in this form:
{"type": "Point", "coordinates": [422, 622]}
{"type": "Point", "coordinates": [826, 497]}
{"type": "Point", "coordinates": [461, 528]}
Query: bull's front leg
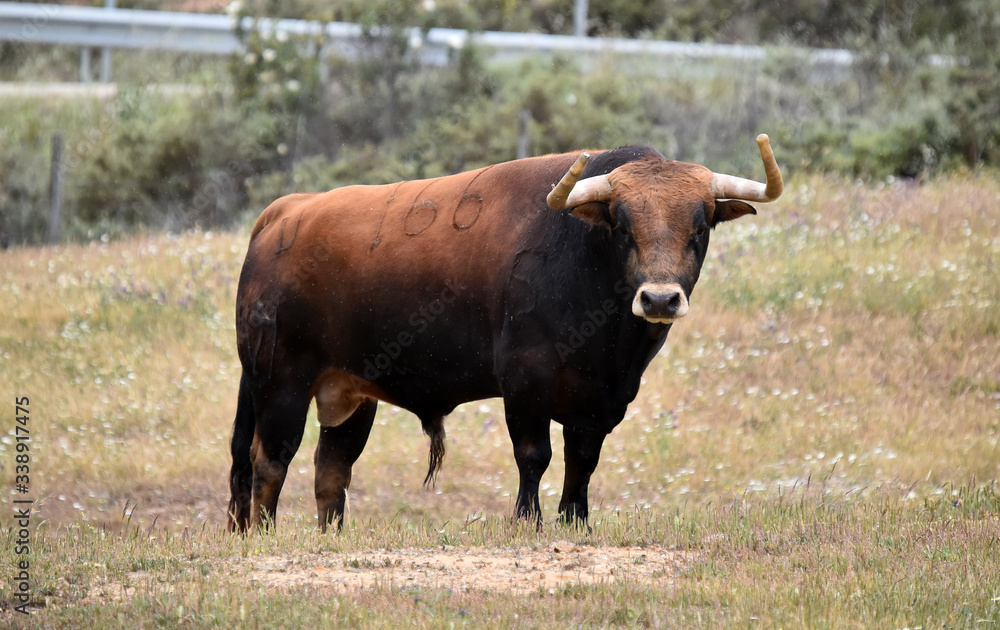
{"type": "Point", "coordinates": [532, 452]}
{"type": "Point", "coordinates": [583, 452]}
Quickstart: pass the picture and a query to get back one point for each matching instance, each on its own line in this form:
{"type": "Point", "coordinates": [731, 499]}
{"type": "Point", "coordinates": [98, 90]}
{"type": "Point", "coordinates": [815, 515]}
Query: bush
{"type": "Point", "coordinates": [173, 163]}
{"type": "Point", "coordinates": [26, 131]}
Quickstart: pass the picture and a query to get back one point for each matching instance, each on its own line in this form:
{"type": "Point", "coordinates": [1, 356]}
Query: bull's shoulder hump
{"type": "Point", "coordinates": [603, 162]}
{"type": "Point", "coordinates": [544, 168]}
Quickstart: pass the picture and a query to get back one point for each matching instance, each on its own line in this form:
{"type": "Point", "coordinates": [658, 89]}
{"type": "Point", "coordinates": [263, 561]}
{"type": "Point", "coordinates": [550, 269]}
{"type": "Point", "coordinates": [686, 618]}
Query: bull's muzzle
{"type": "Point", "coordinates": [660, 303]}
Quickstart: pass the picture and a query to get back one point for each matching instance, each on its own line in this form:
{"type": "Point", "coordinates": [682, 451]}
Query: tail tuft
{"type": "Point", "coordinates": [434, 428]}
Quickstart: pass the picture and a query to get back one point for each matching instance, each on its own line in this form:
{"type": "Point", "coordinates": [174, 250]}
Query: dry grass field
{"type": "Point", "coordinates": [816, 446]}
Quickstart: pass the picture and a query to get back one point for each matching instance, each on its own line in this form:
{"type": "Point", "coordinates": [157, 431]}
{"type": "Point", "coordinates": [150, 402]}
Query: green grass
{"type": "Point", "coordinates": [801, 561]}
{"type": "Point", "coordinates": [819, 436]}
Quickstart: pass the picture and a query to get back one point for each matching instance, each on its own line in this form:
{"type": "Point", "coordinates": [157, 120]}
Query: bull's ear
{"type": "Point", "coordinates": [729, 209]}
{"type": "Point", "coordinates": [596, 213]}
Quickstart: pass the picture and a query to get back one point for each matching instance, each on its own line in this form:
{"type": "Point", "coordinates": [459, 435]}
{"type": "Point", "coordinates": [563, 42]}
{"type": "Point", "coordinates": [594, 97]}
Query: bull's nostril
{"type": "Point", "coordinates": [673, 302]}
{"type": "Point", "coordinates": [646, 302]}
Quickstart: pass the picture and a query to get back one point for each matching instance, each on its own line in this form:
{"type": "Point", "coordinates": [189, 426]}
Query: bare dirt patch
{"type": "Point", "coordinates": [520, 571]}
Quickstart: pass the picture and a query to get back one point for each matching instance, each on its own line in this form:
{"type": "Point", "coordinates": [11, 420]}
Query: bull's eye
{"type": "Point", "coordinates": [700, 233]}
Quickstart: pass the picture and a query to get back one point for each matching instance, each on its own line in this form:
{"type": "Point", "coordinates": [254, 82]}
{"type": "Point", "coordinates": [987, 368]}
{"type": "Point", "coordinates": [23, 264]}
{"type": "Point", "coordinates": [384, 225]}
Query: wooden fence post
{"type": "Point", "coordinates": [522, 133]}
{"type": "Point", "coordinates": [55, 190]}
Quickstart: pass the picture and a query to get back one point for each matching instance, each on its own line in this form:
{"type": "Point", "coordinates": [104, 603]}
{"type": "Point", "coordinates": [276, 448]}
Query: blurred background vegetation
{"type": "Point", "coordinates": [282, 117]}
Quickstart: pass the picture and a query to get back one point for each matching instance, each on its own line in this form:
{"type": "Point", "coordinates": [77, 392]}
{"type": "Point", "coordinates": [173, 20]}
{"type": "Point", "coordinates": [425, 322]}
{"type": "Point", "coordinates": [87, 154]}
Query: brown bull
{"type": "Point", "coordinates": [427, 294]}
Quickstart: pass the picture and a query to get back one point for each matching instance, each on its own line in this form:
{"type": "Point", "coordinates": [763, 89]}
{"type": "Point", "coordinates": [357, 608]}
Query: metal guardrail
{"type": "Point", "coordinates": [216, 35]}
{"type": "Point", "coordinates": [117, 28]}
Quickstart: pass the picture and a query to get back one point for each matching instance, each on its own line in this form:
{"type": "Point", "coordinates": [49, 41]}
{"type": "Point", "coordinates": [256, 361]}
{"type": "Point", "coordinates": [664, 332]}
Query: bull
{"type": "Point", "coordinates": [550, 282]}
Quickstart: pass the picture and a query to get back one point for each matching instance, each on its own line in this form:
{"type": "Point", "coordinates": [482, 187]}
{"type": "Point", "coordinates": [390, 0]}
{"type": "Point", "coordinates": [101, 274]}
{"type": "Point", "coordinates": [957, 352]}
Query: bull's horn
{"type": "Point", "coordinates": [571, 192]}
{"type": "Point", "coordinates": [557, 197]}
{"type": "Point", "coordinates": [730, 187]}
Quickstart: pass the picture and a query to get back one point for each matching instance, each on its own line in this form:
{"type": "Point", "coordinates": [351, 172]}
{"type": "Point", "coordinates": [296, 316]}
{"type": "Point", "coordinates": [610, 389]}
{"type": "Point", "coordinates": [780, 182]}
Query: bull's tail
{"type": "Point", "coordinates": [241, 475]}
{"type": "Point", "coordinates": [434, 428]}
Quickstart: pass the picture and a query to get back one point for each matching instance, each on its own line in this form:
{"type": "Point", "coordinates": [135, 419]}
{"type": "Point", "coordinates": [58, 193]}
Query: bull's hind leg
{"type": "Point", "coordinates": [281, 418]}
{"type": "Point", "coordinates": [338, 448]}
{"type": "Point", "coordinates": [241, 473]}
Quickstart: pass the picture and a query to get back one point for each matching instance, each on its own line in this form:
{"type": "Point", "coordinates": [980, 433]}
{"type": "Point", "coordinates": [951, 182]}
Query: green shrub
{"type": "Point", "coordinates": [26, 130]}
{"type": "Point", "coordinates": [172, 163]}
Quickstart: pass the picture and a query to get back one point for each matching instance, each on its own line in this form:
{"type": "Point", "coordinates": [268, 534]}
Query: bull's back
{"type": "Point", "coordinates": [464, 228]}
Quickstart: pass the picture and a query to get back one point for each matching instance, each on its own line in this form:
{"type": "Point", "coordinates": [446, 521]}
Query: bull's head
{"type": "Point", "coordinates": [666, 208]}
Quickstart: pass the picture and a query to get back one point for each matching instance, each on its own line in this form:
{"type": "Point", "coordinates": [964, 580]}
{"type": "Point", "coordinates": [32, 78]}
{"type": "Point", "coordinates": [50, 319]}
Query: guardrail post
{"type": "Point", "coordinates": [580, 18]}
{"type": "Point", "coordinates": [106, 51]}
{"type": "Point", "coordinates": [84, 64]}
